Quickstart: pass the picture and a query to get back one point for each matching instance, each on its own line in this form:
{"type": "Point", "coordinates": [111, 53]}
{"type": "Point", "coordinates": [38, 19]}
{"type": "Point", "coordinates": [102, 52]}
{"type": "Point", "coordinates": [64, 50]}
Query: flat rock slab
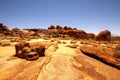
{"type": "Point", "coordinates": [63, 64]}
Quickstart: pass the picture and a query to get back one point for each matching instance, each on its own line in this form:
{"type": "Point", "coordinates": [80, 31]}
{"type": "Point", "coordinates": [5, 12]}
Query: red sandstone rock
{"type": "Point", "coordinates": [51, 27]}
{"type": "Point", "coordinates": [104, 36]}
{"type": "Point", "coordinates": [78, 34]}
{"type": "Point", "coordinates": [39, 48]}
{"type": "Point", "coordinates": [101, 55]}
{"type": "Point", "coordinates": [67, 28]}
{"type": "Point", "coordinates": [3, 28]}
{"type": "Point", "coordinates": [91, 35]}
{"type": "Point", "coordinates": [59, 27]}
{"type": "Point", "coordinates": [23, 49]}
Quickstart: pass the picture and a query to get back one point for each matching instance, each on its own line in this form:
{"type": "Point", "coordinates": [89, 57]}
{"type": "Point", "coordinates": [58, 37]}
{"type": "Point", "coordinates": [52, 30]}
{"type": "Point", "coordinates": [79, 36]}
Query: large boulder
{"type": "Point", "coordinates": [78, 34]}
{"type": "Point", "coordinates": [3, 28]}
{"type": "Point", "coordinates": [24, 49]}
{"type": "Point", "coordinates": [67, 28]}
{"type": "Point", "coordinates": [59, 27]}
{"type": "Point", "coordinates": [51, 27]}
{"type": "Point", "coordinates": [91, 35]}
{"type": "Point", "coordinates": [104, 36]}
{"type": "Point", "coordinates": [39, 48]}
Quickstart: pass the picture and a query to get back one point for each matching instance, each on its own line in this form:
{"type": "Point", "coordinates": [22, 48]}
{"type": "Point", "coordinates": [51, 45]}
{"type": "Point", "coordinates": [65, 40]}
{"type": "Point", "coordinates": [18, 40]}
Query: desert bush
{"type": "Point", "coordinates": [52, 40]}
{"type": "Point", "coordinates": [118, 47]}
{"type": "Point", "coordinates": [81, 42]}
{"type": "Point", "coordinates": [95, 45]}
{"type": "Point", "coordinates": [72, 46]}
{"type": "Point", "coordinates": [15, 28]}
{"type": "Point", "coordinates": [86, 42]}
{"type": "Point", "coordinates": [104, 42]}
{"type": "Point", "coordinates": [5, 42]}
{"type": "Point", "coordinates": [103, 49]}
{"type": "Point", "coordinates": [59, 42]}
{"type": "Point", "coordinates": [73, 42]}
{"type": "Point", "coordinates": [98, 42]}
{"type": "Point", "coordinates": [64, 42]}
{"type": "Point", "coordinates": [0, 42]}
{"type": "Point", "coordinates": [56, 46]}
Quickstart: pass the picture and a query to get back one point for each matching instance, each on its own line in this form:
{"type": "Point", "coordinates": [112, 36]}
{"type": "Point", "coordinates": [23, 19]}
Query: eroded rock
{"type": "Point", "coordinates": [3, 28]}
{"type": "Point", "coordinates": [24, 49]}
{"type": "Point", "coordinates": [78, 34]}
{"type": "Point", "coordinates": [104, 36]}
{"type": "Point", "coordinates": [101, 55]}
{"type": "Point", "coordinates": [91, 35]}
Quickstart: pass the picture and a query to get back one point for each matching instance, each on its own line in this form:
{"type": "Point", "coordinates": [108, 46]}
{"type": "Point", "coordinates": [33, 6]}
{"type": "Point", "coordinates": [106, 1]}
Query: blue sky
{"type": "Point", "coordinates": [89, 15]}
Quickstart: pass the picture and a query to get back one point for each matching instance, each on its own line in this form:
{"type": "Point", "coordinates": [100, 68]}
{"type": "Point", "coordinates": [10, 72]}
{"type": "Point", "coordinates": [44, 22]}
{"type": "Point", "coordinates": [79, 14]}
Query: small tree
{"type": "Point", "coordinates": [15, 28]}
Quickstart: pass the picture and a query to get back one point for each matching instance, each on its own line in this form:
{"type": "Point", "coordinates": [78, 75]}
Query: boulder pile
{"type": "Point", "coordinates": [56, 32]}
{"type": "Point", "coordinates": [3, 28]}
{"type": "Point", "coordinates": [30, 52]}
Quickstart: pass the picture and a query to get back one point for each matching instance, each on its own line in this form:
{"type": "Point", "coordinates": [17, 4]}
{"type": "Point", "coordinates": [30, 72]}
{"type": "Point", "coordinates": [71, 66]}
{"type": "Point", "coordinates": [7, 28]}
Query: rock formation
{"type": "Point", "coordinates": [23, 49]}
{"type": "Point", "coordinates": [51, 27]}
{"type": "Point", "coordinates": [104, 36]}
{"type": "Point", "coordinates": [78, 34]}
{"type": "Point", "coordinates": [59, 27]}
{"type": "Point", "coordinates": [3, 28]}
{"type": "Point", "coordinates": [101, 55]}
{"type": "Point", "coordinates": [91, 35]}
{"type": "Point", "coordinates": [67, 28]}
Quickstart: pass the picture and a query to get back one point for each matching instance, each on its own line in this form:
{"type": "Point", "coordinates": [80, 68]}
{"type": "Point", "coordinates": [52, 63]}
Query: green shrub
{"type": "Point", "coordinates": [16, 28]}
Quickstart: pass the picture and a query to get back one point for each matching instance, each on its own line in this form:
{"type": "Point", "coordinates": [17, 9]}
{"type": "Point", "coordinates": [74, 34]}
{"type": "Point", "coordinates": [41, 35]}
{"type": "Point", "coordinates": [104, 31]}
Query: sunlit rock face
{"type": "Point", "coordinates": [104, 36]}
{"type": "Point", "coordinates": [101, 55]}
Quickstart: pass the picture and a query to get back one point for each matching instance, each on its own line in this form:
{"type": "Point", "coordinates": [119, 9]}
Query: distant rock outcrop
{"type": "Point", "coordinates": [3, 28]}
{"type": "Point", "coordinates": [78, 34]}
{"type": "Point", "coordinates": [91, 35]}
{"type": "Point", "coordinates": [51, 27]}
{"type": "Point", "coordinates": [104, 36]}
{"type": "Point", "coordinates": [67, 28]}
{"type": "Point", "coordinates": [59, 27]}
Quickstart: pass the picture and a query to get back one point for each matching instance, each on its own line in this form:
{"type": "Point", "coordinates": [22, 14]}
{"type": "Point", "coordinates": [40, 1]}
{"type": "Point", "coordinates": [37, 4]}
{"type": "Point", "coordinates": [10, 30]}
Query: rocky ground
{"type": "Point", "coordinates": [63, 61]}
